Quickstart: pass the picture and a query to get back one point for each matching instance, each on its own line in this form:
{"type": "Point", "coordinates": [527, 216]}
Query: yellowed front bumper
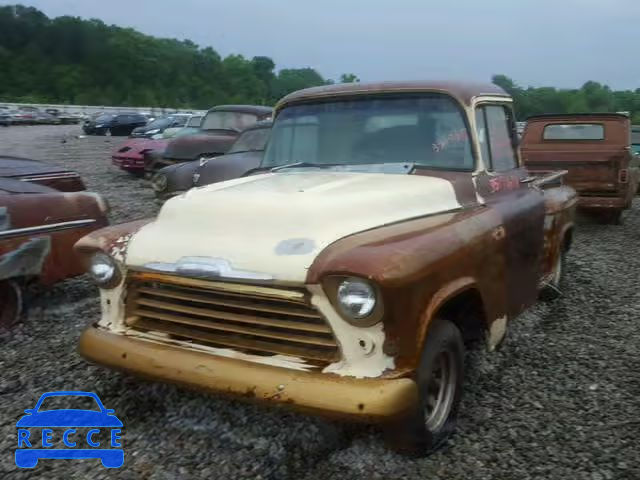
{"type": "Point", "coordinates": [325, 394]}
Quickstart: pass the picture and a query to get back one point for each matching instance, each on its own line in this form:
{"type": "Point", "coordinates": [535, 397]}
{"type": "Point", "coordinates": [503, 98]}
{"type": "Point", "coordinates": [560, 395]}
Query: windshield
{"type": "Point", "coordinates": [251, 141]}
{"type": "Point", "coordinates": [195, 121]}
{"type": "Point", "coordinates": [104, 118]}
{"type": "Point", "coordinates": [160, 123]}
{"type": "Point", "coordinates": [220, 120]}
{"type": "Point", "coordinates": [428, 130]}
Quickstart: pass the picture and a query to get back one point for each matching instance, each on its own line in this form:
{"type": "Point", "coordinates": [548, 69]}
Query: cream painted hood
{"type": "Point", "coordinates": [273, 226]}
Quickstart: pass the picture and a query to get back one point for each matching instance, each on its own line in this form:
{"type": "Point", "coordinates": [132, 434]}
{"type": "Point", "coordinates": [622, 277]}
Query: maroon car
{"type": "Point", "coordinates": [38, 228]}
{"type": "Point", "coordinates": [35, 171]}
{"type": "Point", "coordinates": [244, 155]}
{"type": "Point", "coordinates": [219, 129]}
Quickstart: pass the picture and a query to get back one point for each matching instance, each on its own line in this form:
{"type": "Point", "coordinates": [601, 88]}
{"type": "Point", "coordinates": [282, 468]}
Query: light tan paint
{"type": "Point", "coordinates": [244, 221]}
{"type": "Point", "coordinates": [497, 331]}
{"type": "Point", "coordinates": [361, 348]}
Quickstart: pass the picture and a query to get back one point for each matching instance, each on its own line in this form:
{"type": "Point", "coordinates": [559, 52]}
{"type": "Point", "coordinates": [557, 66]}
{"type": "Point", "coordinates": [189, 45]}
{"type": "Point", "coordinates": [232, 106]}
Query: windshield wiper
{"type": "Point", "coordinates": [303, 164]}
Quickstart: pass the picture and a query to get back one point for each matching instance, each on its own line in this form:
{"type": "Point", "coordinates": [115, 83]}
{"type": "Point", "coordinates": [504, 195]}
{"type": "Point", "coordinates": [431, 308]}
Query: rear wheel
{"type": "Point", "coordinates": [439, 379]}
{"type": "Point", "coordinates": [10, 303]}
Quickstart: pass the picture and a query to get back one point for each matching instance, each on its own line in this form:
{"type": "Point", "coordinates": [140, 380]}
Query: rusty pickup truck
{"type": "Point", "coordinates": [389, 227]}
{"type": "Point", "coordinates": [38, 228]}
{"type": "Point", "coordinates": [595, 150]}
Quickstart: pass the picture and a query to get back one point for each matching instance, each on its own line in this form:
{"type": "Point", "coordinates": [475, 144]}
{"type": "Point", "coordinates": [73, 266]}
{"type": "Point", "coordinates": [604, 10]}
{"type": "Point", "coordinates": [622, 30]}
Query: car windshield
{"type": "Point", "coordinates": [251, 141]}
{"type": "Point", "coordinates": [160, 123]}
{"type": "Point", "coordinates": [104, 118]}
{"type": "Point", "coordinates": [427, 130]}
{"type": "Point", "coordinates": [69, 402]}
{"type": "Point", "coordinates": [195, 121]}
{"type": "Point", "coordinates": [221, 120]}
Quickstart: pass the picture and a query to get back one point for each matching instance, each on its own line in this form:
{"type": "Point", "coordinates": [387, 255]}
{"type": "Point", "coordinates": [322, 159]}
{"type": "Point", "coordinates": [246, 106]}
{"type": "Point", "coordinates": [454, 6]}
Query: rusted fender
{"type": "Point", "coordinates": [112, 240]}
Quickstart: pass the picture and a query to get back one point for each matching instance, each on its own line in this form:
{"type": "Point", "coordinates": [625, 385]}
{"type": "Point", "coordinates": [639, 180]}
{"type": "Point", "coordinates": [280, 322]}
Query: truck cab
{"type": "Point", "coordinates": [389, 227]}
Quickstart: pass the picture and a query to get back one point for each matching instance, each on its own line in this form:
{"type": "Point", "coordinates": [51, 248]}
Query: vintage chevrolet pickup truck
{"type": "Point", "coordinates": [391, 225]}
{"type": "Point", "coordinates": [596, 151]}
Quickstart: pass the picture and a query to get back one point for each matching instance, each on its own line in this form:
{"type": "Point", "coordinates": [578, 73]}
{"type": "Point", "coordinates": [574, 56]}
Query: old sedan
{"type": "Point", "coordinates": [38, 228]}
{"type": "Point", "coordinates": [244, 155]}
{"type": "Point", "coordinates": [35, 171]}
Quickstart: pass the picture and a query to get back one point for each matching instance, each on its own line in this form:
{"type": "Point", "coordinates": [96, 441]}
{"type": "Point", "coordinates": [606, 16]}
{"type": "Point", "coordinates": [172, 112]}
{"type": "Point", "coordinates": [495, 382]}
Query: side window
{"type": "Point", "coordinates": [494, 131]}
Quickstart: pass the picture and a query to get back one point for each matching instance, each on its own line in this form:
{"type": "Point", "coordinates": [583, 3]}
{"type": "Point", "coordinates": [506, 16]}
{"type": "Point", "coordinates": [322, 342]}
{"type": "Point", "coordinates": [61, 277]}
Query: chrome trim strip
{"type": "Point", "coordinates": [41, 229]}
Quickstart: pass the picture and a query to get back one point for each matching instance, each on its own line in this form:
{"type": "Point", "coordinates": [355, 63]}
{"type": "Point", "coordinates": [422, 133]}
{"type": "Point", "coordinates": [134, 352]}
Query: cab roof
{"type": "Point", "coordinates": [465, 92]}
{"type": "Point", "coordinates": [259, 110]}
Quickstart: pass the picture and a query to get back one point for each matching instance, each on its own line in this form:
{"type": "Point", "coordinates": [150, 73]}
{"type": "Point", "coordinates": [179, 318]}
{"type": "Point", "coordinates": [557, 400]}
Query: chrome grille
{"type": "Point", "coordinates": [252, 319]}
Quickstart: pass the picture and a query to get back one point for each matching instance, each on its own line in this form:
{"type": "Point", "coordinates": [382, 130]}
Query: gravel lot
{"type": "Point", "coordinates": [559, 400]}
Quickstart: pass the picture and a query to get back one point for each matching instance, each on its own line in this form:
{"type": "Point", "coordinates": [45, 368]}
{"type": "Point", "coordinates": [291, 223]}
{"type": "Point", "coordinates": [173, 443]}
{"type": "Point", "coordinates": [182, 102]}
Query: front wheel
{"type": "Point", "coordinates": [553, 289]}
{"type": "Point", "coordinates": [10, 303]}
{"type": "Point", "coordinates": [439, 379]}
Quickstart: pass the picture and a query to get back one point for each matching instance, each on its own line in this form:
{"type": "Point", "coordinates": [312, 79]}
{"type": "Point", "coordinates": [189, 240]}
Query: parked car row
{"type": "Point", "coordinates": [340, 252]}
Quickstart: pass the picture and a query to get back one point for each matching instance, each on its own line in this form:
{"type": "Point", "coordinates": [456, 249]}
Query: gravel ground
{"type": "Point", "coordinates": [559, 400]}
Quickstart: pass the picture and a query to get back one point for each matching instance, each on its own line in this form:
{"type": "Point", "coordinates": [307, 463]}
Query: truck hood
{"type": "Point", "coordinates": [191, 147]}
{"type": "Point", "coordinates": [273, 226]}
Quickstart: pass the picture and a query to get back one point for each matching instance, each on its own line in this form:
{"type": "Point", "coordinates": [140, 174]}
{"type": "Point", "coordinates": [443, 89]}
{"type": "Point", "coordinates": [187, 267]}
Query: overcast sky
{"type": "Point", "coordinates": [559, 43]}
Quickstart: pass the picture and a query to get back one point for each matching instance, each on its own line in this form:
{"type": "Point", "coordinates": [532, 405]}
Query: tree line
{"type": "Point", "coordinates": [591, 97]}
{"type": "Point", "coordinates": [69, 60]}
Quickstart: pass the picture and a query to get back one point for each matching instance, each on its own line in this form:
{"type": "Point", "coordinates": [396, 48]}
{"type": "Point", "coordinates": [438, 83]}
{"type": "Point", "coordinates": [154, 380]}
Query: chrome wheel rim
{"type": "Point", "coordinates": [441, 390]}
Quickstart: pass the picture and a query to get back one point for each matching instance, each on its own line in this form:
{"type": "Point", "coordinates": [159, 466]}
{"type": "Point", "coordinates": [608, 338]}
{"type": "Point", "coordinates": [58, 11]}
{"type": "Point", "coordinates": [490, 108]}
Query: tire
{"type": "Point", "coordinates": [553, 289]}
{"type": "Point", "coordinates": [10, 303]}
{"type": "Point", "coordinates": [428, 428]}
{"type": "Point", "coordinates": [108, 132]}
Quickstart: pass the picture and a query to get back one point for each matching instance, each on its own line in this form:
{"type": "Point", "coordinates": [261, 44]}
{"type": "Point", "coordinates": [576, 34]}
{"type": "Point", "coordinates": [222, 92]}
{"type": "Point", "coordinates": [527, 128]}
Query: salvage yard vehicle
{"type": "Point", "coordinates": [159, 125]}
{"type": "Point", "coordinates": [218, 130]}
{"type": "Point", "coordinates": [42, 173]}
{"type": "Point", "coordinates": [595, 149]}
{"type": "Point", "coordinates": [38, 228]}
{"type": "Point", "coordinates": [392, 226]}
{"type": "Point", "coordinates": [244, 155]}
{"type": "Point", "coordinates": [114, 124]}
{"type": "Point", "coordinates": [635, 139]}
{"type": "Point", "coordinates": [131, 156]}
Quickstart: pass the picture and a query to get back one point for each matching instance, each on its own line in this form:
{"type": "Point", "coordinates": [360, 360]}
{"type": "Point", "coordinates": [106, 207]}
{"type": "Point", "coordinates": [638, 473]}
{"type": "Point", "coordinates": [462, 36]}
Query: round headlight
{"type": "Point", "coordinates": [103, 270]}
{"type": "Point", "coordinates": [356, 298]}
{"type": "Point", "coordinates": [159, 182]}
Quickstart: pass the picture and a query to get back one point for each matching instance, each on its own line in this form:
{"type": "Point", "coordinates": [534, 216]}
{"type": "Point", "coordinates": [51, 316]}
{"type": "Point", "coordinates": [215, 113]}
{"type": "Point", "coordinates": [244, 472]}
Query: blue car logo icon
{"type": "Point", "coordinates": [69, 433]}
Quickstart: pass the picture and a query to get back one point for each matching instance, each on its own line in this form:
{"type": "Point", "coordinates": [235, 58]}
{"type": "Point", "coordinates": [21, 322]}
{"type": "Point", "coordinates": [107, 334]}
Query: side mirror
{"type": "Point", "coordinates": [109, 411]}
{"type": "Point", "coordinates": [29, 411]}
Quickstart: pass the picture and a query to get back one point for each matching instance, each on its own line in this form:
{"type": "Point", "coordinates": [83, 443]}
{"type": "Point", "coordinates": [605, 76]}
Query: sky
{"type": "Point", "coordinates": [560, 43]}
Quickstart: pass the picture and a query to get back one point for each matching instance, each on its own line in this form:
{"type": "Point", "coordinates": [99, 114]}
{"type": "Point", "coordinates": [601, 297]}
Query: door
{"type": "Point", "coordinates": [520, 208]}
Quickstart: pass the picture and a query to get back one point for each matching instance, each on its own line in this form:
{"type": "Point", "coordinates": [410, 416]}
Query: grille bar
{"type": "Point", "coordinates": [211, 325]}
{"type": "Point", "coordinates": [235, 317]}
{"type": "Point", "coordinates": [203, 298]}
{"type": "Point", "coordinates": [250, 318]}
{"type": "Point", "coordinates": [254, 346]}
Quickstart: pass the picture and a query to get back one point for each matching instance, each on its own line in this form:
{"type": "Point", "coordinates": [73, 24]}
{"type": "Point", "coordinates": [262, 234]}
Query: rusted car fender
{"type": "Point", "coordinates": [112, 240]}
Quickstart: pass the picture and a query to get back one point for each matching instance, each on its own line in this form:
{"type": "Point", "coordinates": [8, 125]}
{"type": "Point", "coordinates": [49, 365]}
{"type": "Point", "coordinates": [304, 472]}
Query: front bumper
{"type": "Point", "coordinates": [602, 203]}
{"type": "Point", "coordinates": [128, 163]}
{"type": "Point", "coordinates": [325, 394]}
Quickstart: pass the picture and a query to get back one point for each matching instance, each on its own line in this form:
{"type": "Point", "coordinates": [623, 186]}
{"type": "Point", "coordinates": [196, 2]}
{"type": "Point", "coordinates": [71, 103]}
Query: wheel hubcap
{"type": "Point", "coordinates": [441, 391]}
{"type": "Point", "coordinates": [557, 273]}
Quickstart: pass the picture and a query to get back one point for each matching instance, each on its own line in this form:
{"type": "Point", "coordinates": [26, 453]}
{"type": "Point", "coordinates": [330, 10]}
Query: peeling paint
{"type": "Point", "coordinates": [357, 361]}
